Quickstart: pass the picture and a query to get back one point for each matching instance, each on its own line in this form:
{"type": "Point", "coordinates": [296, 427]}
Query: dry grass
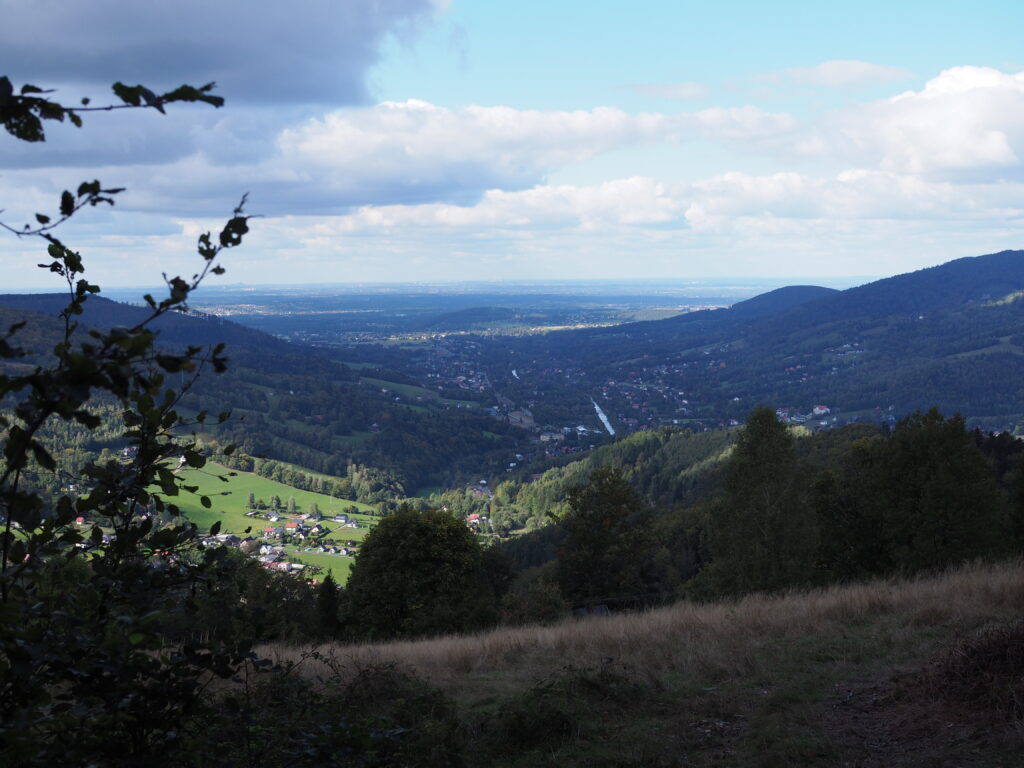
{"type": "Point", "coordinates": [870, 675]}
{"type": "Point", "coordinates": [717, 641]}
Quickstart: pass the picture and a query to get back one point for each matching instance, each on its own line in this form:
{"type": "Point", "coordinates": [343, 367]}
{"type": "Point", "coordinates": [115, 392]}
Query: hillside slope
{"type": "Point", "coordinates": [294, 403]}
{"type": "Point", "coordinates": [949, 336]}
{"type": "Point", "coordinates": [905, 673]}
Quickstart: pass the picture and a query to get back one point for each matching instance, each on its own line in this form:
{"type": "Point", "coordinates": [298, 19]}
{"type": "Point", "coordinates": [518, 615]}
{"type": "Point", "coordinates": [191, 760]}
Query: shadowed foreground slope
{"type": "Point", "coordinates": [922, 672]}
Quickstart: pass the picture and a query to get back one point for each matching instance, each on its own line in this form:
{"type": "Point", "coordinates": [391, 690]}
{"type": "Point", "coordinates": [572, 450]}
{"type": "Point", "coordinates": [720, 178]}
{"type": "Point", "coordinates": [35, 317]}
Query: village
{"type": "Point", "coordinates": [281, 544]}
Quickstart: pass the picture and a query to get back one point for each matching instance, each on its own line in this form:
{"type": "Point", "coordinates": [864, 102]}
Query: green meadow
{"type": "Point", "coordinates": [230, 496]}
{"type": "Point", "coordinates": [411, 391]}
{"type": "Point", "coordinates": [338, 565]}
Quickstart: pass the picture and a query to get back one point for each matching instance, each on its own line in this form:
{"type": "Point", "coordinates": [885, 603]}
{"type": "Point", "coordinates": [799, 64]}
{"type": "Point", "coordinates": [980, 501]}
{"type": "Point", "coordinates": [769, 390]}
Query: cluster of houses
{"type": "Point", "coordinates": [304, 526]}
{"type": "Point", "coordinates": [269, 547]}
{"type": "Point", "coordinates": [818, 413]}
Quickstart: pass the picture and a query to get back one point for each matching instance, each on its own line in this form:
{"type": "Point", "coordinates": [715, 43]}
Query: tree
{"type": "Point", "coordinates": [601, 553]}
{"type": "Point", "coordinates": [68, 665]}
{"type": "Point", "coordinates": [327, 607]}
{"type": "Point", "coordinates": [762, 533]}
{"type": "Point", "coordinates": [923, 498]}
{"type": "Point", "coordinates": [252, 500]}
{"type": "Point", "coordinates": [418, 574]}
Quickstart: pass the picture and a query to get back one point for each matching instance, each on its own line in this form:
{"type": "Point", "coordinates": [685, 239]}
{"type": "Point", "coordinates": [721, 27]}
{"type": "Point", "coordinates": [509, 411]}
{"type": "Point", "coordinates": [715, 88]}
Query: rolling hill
{"type": "Point", "coordinates": [951, 336]}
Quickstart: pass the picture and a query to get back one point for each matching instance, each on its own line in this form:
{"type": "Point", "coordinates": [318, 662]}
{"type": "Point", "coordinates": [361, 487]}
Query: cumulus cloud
{"type": "Point", "coordinates": [419, 151]}
{"type": "Point", "coordinates": [719, 203]}
{"type": "Point", "coordinates": [842, 74]}
{"type": "Point", "coordinates": [625, 202]}
{"type": "Point", "coordinates": [967, 122]}
{"type": "Point", "coordinates": [399, 152]}
{"type": "Point", "coordinates": [855, 222]}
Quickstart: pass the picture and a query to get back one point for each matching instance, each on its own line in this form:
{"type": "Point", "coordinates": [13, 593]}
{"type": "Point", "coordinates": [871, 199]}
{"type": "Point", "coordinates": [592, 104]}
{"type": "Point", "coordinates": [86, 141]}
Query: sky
{"type": "Point", "coordinates": [451, 140]}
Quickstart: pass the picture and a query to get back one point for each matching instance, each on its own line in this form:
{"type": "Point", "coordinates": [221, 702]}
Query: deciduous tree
{"type": "Point", "coordinates": [762, 534]}
{"type": "Point", "coordinates": [91, 679]}
{"type": "Point", "coordinates": [416, 574]}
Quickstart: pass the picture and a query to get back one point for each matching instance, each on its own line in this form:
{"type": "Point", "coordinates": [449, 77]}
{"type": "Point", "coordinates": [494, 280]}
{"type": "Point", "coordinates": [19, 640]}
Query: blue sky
{"type": "Point", "coordinates": [404, 140]}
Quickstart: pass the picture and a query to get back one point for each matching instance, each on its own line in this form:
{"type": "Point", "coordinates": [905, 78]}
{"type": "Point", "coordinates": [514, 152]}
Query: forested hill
{"type": "Point", "coordinates": [951, 336]}
{"type": "Point", "coordinates": [945, 287]}
{"type": "Point", "coordinates": [176, 329]}
{"type": "Point", "coordinates": [778, 300]}
{"type": "Point", "coordinates": [295, 404]}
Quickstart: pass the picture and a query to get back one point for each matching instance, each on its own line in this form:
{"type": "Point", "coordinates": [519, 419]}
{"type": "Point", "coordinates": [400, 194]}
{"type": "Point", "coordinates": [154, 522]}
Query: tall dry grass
{"type": "Point", "coordinates": [712, 641]}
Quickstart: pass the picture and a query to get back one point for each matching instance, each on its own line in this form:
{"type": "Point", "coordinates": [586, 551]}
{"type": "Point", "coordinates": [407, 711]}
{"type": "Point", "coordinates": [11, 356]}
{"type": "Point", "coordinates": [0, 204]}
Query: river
{"type": "Point", "coordinates": [603, 418]}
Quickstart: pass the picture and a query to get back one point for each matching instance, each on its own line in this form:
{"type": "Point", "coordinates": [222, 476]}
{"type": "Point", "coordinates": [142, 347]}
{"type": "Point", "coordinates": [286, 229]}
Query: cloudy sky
{"type": "Point", "coordinates": [424, 140]}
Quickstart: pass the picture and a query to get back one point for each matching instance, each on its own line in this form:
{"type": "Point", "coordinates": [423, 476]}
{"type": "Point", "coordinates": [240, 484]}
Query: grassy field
{"type": "Point", "coordinates": [231, 498]}
{"type": "Point", "coordinates": [925, 672]}
{"type": "Point", "coordinates": [340, 566]}
{"type": "Point", "coordinates": [412, 392]}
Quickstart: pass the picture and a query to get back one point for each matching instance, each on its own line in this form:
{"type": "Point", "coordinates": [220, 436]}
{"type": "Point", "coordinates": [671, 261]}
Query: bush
{"type": "Point", "coordinates": [985, 672]}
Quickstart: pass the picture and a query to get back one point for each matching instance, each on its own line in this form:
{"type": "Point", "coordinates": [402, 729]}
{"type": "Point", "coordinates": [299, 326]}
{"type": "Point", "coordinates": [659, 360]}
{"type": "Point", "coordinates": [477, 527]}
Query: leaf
{"type": "Point", "coordinates": [67, 203]}
{"type": "Point", "coordinates": [215, 528]}
{"type": "Point", "coordinates": [195, 459]}
{"type": "Point", "coordinates": [89, 188]}
{"type": "Point", "coordinates": [43, 457]}
{"type": "Point", "coordinates": [42, 219]}
{"type": "Point", "coordinates": [128, 94]}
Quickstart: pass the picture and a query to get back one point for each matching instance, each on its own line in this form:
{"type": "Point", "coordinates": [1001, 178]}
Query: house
{"type": "Point", "coordinates": [341, 518]}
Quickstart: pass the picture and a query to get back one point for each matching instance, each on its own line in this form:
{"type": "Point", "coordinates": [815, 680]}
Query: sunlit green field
{"type": "Point", "coordinates": [230, 497]}
{"type": "Point", "coordinates": [338, 565]}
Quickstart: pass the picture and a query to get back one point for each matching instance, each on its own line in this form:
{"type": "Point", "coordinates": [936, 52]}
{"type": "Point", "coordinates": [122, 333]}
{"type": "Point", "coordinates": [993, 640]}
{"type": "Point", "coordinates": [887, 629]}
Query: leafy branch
{"type": "Point", "coordinates": [23, 112]}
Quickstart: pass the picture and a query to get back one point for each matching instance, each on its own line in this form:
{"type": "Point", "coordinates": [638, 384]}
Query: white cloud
{"type": "Point", "coordinates": [747, 125]}
{"type": "Point", "coordinates": [414, 143]}
{"type": "Point", "coordinates": [611, 205]}
{"type": "Point", "coordinates": [967, 122]}
{"type": "Point", "coordinates": [729, 202]}
{"type": "Point", "coordinates": [415, 152]}
{"type": "Point", "coordinates": [842, 74]}
{"type": "Point", "coordinates": [408, 152]}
